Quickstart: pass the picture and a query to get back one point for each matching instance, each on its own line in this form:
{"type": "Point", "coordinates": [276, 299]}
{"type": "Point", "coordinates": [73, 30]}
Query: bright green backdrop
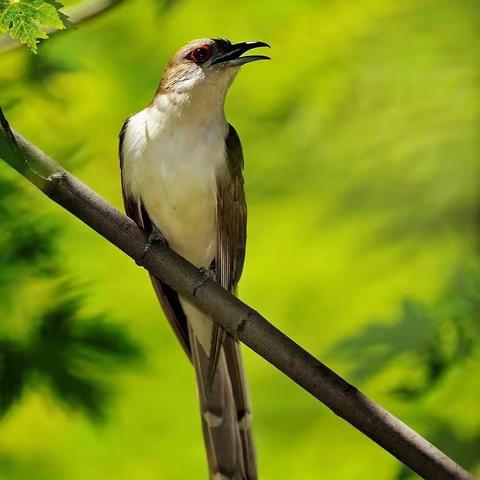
{"type": "Point", "coordinates": [361, 140]}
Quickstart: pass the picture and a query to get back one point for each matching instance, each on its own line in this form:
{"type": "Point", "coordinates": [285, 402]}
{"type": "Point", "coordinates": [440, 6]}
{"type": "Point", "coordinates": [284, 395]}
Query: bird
{"type": "Point", "coordinates": [182, 181]}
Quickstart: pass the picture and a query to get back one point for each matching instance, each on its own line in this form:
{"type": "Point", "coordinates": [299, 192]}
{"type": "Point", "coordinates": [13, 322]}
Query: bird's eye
{"type": "Point", "coordinates": [201, 54]}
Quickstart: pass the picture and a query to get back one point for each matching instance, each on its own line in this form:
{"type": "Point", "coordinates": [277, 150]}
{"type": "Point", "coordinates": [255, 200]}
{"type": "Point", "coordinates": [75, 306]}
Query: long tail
{"type": "Point", "coordinates": [226, 415]}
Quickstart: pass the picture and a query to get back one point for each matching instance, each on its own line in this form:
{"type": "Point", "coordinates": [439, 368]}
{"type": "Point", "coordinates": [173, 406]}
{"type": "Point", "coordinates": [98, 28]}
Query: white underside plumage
{"type": "Point", "coordinates": [171, 163]}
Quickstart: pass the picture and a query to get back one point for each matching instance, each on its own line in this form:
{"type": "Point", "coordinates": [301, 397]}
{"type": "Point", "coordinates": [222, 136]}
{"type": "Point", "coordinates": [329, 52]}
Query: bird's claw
{"type": "Point", "coordinates": [155, 236]}
{"type": "Point", "coordinates": [206, 274]}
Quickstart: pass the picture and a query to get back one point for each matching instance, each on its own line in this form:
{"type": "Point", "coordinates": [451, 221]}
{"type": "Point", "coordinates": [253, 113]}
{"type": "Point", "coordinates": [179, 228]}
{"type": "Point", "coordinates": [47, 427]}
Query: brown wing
{"type": "Point", "coordinates": [231, 216]}
{"type": "Point", "coordinates": [231, 241]}
{"type": "Point", "coordinates": [231, 229]}
{"type": "Point", "coordinates": [167, 296]}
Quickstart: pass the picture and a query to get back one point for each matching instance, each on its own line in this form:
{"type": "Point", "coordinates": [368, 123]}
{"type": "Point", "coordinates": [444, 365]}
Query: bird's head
{"type": "Point", "coordinates": [208, 65]}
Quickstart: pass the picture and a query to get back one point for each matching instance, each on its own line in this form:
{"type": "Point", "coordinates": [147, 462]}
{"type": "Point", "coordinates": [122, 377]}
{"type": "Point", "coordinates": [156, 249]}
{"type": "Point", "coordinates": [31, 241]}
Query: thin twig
{"type": "Point", "coordinates": [78, 13]}
{"type": "Point", "coordinates": [233, 315]}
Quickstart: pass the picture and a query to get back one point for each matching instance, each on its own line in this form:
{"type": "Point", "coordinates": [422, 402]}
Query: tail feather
{"type": "Point", "coordinates": [233, 356]}
{"type": "Point", "coordinates": [229, 445]}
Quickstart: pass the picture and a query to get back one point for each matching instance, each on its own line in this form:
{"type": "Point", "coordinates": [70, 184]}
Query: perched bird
{"type": "Point", "coordinates": [181, 165]}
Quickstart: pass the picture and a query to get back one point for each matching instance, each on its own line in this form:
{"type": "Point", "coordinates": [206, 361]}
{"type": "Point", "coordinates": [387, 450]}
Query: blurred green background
{"type": "Point", "coordinates": [362, 143]}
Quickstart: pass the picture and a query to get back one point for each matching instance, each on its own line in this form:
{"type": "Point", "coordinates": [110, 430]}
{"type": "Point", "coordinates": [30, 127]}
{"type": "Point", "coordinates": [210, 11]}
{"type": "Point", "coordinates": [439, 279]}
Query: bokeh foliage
{"type": "Point", "coordinates": [361, 140]}
{"type": "Point", "coordinates": [65, 352]}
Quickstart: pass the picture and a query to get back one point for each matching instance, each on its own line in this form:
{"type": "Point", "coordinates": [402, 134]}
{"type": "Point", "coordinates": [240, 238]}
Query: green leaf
{"type": "Point", "coordinates": [29, 20]}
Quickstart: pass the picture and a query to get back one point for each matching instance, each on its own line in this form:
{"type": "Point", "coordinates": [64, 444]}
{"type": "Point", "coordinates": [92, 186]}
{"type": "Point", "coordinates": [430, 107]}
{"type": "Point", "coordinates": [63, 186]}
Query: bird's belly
{"type": "Point", "coordinates": [181, 202]}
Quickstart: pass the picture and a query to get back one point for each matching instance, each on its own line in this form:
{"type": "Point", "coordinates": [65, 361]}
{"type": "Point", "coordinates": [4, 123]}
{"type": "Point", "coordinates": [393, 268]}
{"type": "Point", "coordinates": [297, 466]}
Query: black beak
{"type": "Point", "coordinates": [232, 54]}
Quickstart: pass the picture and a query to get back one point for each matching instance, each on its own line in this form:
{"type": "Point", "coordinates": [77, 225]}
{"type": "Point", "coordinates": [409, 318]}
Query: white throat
{"type": "Point", "coordinates": [198, 100]}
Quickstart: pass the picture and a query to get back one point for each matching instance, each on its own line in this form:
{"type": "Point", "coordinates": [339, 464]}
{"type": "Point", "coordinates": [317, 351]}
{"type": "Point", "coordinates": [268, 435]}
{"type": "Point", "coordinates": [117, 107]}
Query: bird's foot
{"type": "Point", "coordinates": [155, 236]}
{"type": "Point", "coordinates": [206, 274]}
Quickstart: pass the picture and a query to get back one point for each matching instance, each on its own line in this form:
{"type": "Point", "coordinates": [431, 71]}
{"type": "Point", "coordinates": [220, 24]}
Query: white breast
{"type": "Point", "coordinates": [172, 165]}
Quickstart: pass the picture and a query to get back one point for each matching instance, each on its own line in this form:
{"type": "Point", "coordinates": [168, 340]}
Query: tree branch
{"type": "Point", "coordinates": [240, 320]}
{"type": "Point", "coordinates": [78, 13]}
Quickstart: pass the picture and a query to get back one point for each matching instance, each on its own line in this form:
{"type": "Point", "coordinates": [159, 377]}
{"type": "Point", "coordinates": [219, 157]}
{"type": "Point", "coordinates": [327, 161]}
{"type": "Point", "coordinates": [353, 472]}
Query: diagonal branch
{"type": "Point", "coordinates": [240, 320]}
{"type": "Point", "coordinates": [81, 12]}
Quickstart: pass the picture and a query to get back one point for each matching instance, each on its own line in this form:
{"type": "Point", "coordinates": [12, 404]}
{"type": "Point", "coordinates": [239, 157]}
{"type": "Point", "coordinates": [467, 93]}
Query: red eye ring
{"type": "Point", "coordinates": [200, 54]}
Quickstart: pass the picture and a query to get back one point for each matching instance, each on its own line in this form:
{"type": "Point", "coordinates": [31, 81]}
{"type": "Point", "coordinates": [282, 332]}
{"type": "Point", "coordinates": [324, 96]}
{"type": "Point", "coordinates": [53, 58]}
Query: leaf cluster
{"type": "Point", "coordinates": [29, 20]}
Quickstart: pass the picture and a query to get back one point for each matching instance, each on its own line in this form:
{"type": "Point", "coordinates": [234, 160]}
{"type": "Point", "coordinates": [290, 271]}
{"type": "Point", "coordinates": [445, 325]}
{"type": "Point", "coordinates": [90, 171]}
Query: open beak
{"type": "Point", "coordinates": [232, 56]}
